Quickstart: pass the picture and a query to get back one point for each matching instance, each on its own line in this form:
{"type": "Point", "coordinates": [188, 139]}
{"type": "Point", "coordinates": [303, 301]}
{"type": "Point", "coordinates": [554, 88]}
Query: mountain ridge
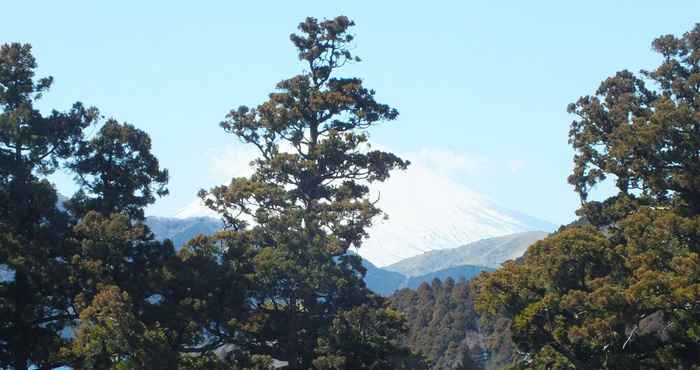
{"type": "Point", "coordinates": [489, 252]}
{"type": "Point", "coordinates": [386, 282]}
{"type": "Point", "coordinates": [463, 262]}
{"type": "Point", "coordinates": [447, 216]}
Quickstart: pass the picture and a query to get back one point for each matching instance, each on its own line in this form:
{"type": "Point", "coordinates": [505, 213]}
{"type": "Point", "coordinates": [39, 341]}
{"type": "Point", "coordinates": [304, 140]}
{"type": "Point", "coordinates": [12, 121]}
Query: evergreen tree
{"type": "Point", "coordinates": [191, 301]}
{"type": "Point", "coordinates": [307, 202]}
{"type": "Point", "coordinates": [117, 172]}
{"type": "Point", "coordinates": [646, 138]}
{"type": "Point", "coordinates": [111, 337]}
{"type": "Point", "coordinates": [443, 325]}
{"type": "Point", "coordinates": [625, 292]}
{"type": "Point", "coordinates": [34, 306]}
{"type": "Point", "coordinates": [118, 176]}
{"type": "Point", "coordinates": [362, 338]}
{"type": "Point", "coordinates": [90, 287]}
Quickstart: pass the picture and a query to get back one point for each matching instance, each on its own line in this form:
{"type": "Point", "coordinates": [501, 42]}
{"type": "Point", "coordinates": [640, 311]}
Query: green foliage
{"type": "Point", "coordinates": [117, 172]}
{"type": "Point", "coordinates": [34, 234]}
{"type": "Point", "coordinates": [89, 286]}
{"type": "Point", "coordinates": [69, 273]}
{"type": "Point", "coordinates": [206, 296]}
{"type": "Point", "coordinates": [577, 299]}
{"type": "Point", "coordinates": [116, 251]}
{"type": "Point", "coordinates": [307, 203]}
{"type": "Point", "coordinates": [622, 292]}
{"type": "Point", "coordinates": [647, 139]}
{"type": "Point", "coordinates": [442, 323]}
{"type": "Point", "coordinates": [111, 337]}
{"type": "Point", "coordinates": [362, 338]}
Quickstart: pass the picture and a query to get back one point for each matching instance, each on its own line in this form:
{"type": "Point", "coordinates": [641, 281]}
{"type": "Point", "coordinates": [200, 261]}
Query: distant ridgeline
{"type": "Point", "coordinates": [462, 263]}
{"type": "Point", "coordinates": [181, 230]}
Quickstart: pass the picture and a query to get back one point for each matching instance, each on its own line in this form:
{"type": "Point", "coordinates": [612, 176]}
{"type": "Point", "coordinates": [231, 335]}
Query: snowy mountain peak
{"type": "Point", "coordinates": [196, 209]}
{"type": "Point", "coordinates": [428, 209]}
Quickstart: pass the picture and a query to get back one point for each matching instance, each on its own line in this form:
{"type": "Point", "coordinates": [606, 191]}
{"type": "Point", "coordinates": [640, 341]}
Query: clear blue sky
{"type": "Point", "coordinates": [484, 79]}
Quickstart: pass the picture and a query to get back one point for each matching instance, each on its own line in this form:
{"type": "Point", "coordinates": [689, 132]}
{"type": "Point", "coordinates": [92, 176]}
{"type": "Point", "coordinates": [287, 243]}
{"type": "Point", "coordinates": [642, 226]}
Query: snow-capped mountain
{"type": "Point", "coordinates": [194, 210]}
{"type": "Point", "coordinates": [426, 211]}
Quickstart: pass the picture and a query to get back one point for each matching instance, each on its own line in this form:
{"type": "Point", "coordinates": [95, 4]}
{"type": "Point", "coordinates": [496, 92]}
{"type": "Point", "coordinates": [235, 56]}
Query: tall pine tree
{"type": "Point", "coordinates": [308, 202]}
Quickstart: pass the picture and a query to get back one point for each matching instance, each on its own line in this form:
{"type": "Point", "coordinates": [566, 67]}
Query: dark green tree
{"type": "Point", "coordinates": [363, 337]}
{"type": "Point", "coordinates": [90, 287]}
{"type": "Point", "coordinates": [117, 172]}
{"type": "Point", "coordinates": [206, 299]}
{"type": "Point", "coordinates": [444, 327]}
{"type": "Point", "coordinates": [191, 300]}
{"type": "Point", "coordinates": [118, 176]}
{"type": "Point", "coordinates": [34, 308]}
{"type": "Point", "coordinates": [307, 202]}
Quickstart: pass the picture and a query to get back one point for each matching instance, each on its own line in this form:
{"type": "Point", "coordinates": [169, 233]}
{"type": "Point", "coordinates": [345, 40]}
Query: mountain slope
{"type": "Point", "coordinates": [408, 273]}
{"type": "Point", "coordinates": [386, 282]}
{"type": "Point", "coordinates": [382, 281]}
{"type": "Point", "coordinates": [489, 252]}
{"type": "Point", "coordinates": [180, 230]}
{"type": "Point", "coordinates": [426, 210]}
{"type": "Point", "coordinates": [457, 273]}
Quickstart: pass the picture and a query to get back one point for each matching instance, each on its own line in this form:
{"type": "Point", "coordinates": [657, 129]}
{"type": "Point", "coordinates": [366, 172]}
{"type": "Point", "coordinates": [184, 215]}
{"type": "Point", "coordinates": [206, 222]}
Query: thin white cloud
{"type": "Point", "coordinates": [232, 161]}
{"type": "Point", "coordinates": [448, 162]}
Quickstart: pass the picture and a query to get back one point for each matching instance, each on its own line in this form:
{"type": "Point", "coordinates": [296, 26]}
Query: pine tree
{"type": "Point", "coordinates": [188, 301]}
{"type": "Point", "coordinates": [33, 232]}
{"type": "Point", "coordinates": [110, 336]}
{"type": "Point", "coordinates": [307, 202]}
{"type": "Point", "coordinates": [88, 285]}
{"type": "Point", "coordinates": [623, 292]}
{"type": "Point", "coordinates": [643, 131]}
{"type": "Point", "coordinates": [117, 172]}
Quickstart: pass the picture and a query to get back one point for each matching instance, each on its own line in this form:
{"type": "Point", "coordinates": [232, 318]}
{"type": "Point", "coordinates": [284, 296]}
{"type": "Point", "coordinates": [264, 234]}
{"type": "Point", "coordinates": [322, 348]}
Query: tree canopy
{"type": "Point", "coordinates": [642, 129]}
{"type": "Point", "coordinates": [624, 290]}
{"type": "Point", "coordinates": [84, 283]}
{"type": "Point", "coordinates": [33, 232]}
{"type": "Point", "coordinates": [307, 203]}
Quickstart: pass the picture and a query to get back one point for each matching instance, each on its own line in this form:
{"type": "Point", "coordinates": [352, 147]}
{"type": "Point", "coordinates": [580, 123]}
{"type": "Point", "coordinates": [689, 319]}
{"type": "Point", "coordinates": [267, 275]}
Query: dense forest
{"type": "Point", "coordinates": [85, 284]}
{"type": "Point", "coordinates": [445, 327]}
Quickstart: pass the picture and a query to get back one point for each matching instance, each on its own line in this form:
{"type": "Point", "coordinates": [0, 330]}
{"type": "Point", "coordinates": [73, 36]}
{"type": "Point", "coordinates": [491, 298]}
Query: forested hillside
{"type": "Point", "coordinates": [442, 322]}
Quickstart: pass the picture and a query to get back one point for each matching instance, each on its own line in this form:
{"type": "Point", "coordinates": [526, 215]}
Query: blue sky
{"type": "Point", "coordinates": [482, 83]}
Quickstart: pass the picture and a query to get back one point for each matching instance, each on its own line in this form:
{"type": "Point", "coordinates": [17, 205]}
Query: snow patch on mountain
{"type": "Point", "coordinates": [428, 208]}
{"type": "Point", "coordinates": [196, 209]}
{"type": "Point", "coordinates": [429, 211]}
